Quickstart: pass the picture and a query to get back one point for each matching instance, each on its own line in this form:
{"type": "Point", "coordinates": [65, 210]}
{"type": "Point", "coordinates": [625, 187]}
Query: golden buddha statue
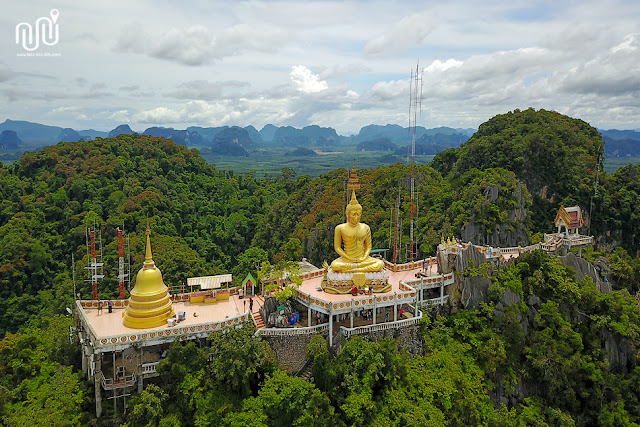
{"type": "Point", "coordinates": [356, 238]}
{"type": "Point", "coordinates": [355, 270]}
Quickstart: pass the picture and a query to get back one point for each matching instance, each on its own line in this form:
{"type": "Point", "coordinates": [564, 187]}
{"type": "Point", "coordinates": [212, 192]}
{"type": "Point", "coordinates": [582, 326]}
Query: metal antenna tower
{"type": "Point", "coordinates": [395, 235]}
{"type": "Point", "coordinates": [415, 105]}
{"type": "Point", "coordinates": [123, 275]}
{"type": "Point", "coordinates": [94, 260]}
{"type": "Point", "coordinates": [595, 191]}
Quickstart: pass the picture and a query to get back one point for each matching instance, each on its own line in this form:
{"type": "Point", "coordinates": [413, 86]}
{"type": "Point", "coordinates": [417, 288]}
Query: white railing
{"type": "Point", "coordinates": [435, 301]}
{"type": "Point", "coordinates": [361, 330]}
{"type": "Point", "coordinates": [410, 265]}
{"type": "Point", "coordinates": [149, 368]}
{"type": "Point", "coordinates": [110, 383]}
{"type": "Point", "coordinates": [429, 282]}
{"type": "Point", "coordinates": [158, 335]}
{"type": "Point", "coordinates": [309, 330]}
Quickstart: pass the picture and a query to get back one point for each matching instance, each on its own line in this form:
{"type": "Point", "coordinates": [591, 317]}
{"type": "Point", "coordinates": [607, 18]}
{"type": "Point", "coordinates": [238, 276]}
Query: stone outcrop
{"type": "Point", "coordinates": [471, 290]}
{"type": "Point", "coordinates": [512, 232]}
{"type": "Point", "coordinates": [584, 268]}
{"type": "Point", "coordinates": [291, 350]}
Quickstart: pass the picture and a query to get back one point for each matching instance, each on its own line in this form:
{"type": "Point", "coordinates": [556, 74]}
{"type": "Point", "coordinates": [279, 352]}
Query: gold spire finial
{"type": "Point", "coordinates": [354, 182]}
{"type": "Point", "coordinates": [354, 200]}
{"type": "Point", "coordinates": [148, 258]}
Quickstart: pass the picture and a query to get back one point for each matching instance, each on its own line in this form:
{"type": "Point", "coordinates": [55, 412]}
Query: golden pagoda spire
{"type": "Point", "coordinates": [354, 182]}
{"type": "Point", "coordinates": [149, 304]}
{"type": "Point", "coordinates": [148, 258]}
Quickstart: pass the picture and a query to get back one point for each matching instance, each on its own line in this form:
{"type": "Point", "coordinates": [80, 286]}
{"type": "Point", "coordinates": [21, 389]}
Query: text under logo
{"type": "Point", "coordinates": [45, 31]}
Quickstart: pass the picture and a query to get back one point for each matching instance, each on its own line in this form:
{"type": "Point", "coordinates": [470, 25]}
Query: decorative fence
{"type": "Point", "coordinates": [361, 330]}
{"type": "Point", "coordinates": [149, 369]}
{"type": "Point", "coordinates": [154, 336]}
{"type": "Point", "coordinates": [111, 384]}
{"type": "Point", "coordinates": [312, 330]}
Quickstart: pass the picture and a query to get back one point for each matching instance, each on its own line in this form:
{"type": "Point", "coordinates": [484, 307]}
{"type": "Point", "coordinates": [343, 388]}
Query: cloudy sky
{"type": "Point", "coordinates": [342, 64]}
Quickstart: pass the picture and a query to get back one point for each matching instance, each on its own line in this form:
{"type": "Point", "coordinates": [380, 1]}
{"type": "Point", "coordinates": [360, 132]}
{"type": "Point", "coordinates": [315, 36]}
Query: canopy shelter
{"type": "Point", "coordinates": [249, 282]}
{"type": "Point", "coordinates": [570, 219]}
{"type": "Point", "coordinates": [209, 282]}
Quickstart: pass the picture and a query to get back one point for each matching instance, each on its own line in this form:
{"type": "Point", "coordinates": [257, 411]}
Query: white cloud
{"type": "Point", "coordinates": [5, 73]}
{"type": "Point", "coordinates": [197, 45]}
{"type": "Point", "coordinates": [121, 116]}
{"type": "Point", "coordinates": [480, 60]}
{"type": "Point", "coordinates": [306, 81]}
{"type": "Point", "coordinates": [438, 66]}
{"type": "Point", "coordinates": [410, 31]}
{"type": "Point", "coordinates": [386, 91]}
{"type": "Point", "coordinates": [204, 90]}
{"type": "Point", "coordinates": [630, 42]}
{"type": "Point", "coordinates": [63, 110]}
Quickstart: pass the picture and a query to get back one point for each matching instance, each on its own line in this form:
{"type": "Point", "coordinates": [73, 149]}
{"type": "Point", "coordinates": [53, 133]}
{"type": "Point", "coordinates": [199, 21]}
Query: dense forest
{"type": "Point", "coordinates": [563, 354]}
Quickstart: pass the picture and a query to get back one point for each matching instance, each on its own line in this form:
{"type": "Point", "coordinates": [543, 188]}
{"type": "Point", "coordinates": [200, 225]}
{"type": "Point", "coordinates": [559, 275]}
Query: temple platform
{"type": "Point", "coordinates": [406, 280]}
{"type": "Point", "coordinates": [107, 332]}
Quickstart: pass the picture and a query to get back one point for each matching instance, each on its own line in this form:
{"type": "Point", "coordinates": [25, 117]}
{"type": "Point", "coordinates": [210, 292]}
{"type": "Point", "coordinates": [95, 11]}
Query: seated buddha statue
{"type": "Point", "coordinates": [352, 241]}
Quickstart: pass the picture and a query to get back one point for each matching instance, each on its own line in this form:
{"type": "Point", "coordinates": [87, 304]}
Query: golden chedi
{"type": "Point", "coordinates": [149, 303]}
{"type": "Point", "coordinates": [355, 267]}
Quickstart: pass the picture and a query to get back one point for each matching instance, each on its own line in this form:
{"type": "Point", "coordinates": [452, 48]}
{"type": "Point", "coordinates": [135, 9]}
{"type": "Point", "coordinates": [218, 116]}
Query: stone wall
{"type": "Point", "coordinates": [291, 350]}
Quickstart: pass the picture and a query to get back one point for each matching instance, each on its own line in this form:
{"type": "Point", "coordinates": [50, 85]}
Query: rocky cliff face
{"type": "Point", "coordinates": [584, 268]}
{"type": "Point", "coordinates": [510, 232]}
{"type": "Point", "coordinates": [470, 290]}
{"type": "Point", "coordinates": [9, 139]}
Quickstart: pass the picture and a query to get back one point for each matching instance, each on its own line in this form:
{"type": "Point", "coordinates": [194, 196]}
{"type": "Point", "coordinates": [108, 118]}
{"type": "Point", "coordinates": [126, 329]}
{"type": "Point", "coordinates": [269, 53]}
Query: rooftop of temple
{"type": "Point", "coordinates": [107, 329]}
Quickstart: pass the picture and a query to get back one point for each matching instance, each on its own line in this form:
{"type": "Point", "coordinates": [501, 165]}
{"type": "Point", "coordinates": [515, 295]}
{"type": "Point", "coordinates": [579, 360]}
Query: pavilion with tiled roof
{"type": "Point", "coordinates": [570, 218]}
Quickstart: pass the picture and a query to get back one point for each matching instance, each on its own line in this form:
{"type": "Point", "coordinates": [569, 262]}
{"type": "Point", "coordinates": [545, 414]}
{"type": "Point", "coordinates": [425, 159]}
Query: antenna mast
{"type": "Point", "coordinates": [94, 260]}
{"type": "Point", "coordinates": [415, 104]}
{"type": "Point", "coordinates": [122, 274]}
{"type": "Point", "coordinates": [595, 191]}
{"type": "Point", "coordinates": [395, 235]}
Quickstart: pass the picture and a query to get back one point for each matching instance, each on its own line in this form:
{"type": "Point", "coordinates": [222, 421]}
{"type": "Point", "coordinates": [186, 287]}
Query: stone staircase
{"type": "Point", "coordinates": [305, 373]}
{"type": "Point", "coordinates": [258, 301]}
{"type": "Point", "coordinates": [258, 319]}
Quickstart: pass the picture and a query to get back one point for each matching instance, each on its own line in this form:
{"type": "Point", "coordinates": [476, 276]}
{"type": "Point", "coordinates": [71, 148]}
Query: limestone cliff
{"type": "Point", "coordinates": [509, 230]}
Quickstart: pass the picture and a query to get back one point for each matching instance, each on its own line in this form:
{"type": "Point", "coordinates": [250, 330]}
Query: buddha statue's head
{"type": "Point", "coordinates": [354, 210]}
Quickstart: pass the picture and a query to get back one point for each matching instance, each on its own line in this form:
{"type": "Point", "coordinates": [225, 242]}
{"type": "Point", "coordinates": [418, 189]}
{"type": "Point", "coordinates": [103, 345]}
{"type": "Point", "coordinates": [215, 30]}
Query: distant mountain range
{"type": "Point", "coordinates": [621, 143]}
{"type": "Point", "coordinates": [238, 141]}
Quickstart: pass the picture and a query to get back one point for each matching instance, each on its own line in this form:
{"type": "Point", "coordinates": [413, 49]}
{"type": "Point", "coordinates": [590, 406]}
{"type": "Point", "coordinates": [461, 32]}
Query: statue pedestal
{"type": "Point", "coordinates": [343, 283]}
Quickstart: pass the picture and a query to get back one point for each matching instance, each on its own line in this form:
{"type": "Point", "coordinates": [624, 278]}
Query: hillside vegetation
{"type": "Point", "coordinates": [545, 347]}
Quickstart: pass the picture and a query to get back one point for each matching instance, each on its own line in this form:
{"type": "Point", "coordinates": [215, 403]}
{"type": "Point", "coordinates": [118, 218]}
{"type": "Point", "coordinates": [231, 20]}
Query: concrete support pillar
{"type": "Point", "coordinates": [441, 292]}
{"type": "Point", "coordinates": [375, 312]}
{"type": "Point", "coordinates": [351, 317]}
{"type": "Point", "coordinates": [330, 329]}
{"type": "Point", "coordinates": [97, 383]}
{"type": "Point", "coordinates": [309, 316]}
{"type": "Point", "coordinates": [85, 362]}
{"type": "Point", "coordinates": [395, 311]}
{"type": "Point", "coordinates": [140, 379]}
